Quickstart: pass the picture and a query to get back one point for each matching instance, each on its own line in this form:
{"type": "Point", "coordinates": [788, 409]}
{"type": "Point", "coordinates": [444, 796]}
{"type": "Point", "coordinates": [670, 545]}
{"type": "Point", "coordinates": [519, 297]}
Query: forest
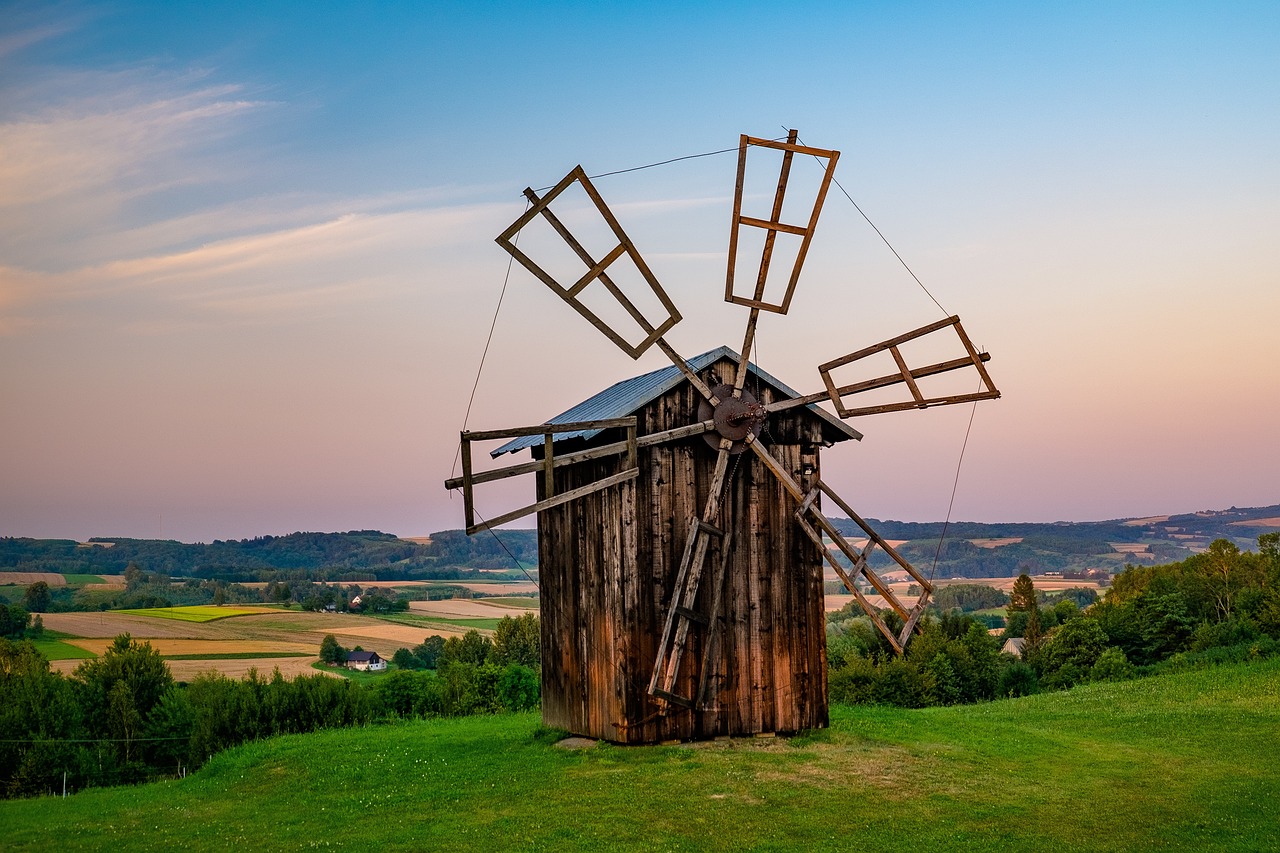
{"type": "Point", "coordinates": [360, 555]}
{"type": "Point", "coordinates": [122, 718]}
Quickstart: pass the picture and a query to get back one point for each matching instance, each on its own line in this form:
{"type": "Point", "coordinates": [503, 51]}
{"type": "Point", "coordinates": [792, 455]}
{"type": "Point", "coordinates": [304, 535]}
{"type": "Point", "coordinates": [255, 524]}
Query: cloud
{"type": "Point", "coordinates": [303, 271]}
{"type": "Point", "coordinates": [128, 145]}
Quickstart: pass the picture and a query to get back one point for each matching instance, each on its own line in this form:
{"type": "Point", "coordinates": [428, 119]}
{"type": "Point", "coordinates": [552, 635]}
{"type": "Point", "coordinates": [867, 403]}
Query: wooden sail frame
{"type": "Point", "coordinates": [596, 269]}
{"type": "Point", "coordinates": [773, 226]}
{"type": "Point", "coordinates": [907, 375]}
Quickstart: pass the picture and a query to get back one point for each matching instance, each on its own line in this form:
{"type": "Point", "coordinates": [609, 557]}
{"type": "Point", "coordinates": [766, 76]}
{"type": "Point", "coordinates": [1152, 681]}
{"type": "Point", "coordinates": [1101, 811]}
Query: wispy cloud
{"type": "Point", "coordinates": [123, 149]}
{"type": "Point", "coordinates": [276, 275]}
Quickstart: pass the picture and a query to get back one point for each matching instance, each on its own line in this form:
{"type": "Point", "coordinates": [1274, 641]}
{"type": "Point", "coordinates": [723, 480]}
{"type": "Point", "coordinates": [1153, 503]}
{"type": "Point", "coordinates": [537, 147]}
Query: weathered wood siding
{"type": "Point", "coordinates": [608, 564]}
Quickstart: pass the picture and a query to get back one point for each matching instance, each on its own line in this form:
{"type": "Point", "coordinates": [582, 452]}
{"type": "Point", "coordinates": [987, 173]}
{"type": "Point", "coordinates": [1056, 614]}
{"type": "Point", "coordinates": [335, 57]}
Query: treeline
{"type": "Point", "coordinates": [121, 718]}
{"type": "Point", "coordinates": [1219, 606]}
{"type": "Point", "coordinates": [153, 589]}
{"type": "Point", "coordinates": [360, 555]}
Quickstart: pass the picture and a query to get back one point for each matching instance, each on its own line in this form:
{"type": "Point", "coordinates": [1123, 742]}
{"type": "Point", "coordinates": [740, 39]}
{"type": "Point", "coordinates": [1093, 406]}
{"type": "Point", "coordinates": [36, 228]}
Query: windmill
{"type": "Point", "coordinates": [640, 644]}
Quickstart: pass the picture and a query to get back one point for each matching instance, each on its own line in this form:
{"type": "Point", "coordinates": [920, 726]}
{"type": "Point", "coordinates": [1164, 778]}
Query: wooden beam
{"type": "Point", "coordinates": [562, 498]}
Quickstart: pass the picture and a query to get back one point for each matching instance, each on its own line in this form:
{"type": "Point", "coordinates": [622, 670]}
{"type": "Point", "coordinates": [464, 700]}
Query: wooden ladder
{"type": "Point", "coordinates": [682, 616]}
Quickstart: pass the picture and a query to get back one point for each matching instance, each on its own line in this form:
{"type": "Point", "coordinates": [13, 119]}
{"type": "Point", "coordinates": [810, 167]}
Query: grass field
{"type": "Point", "coordinates": [462, 622]}
{"type": "Point", "coordinates": [195, 613]}
{"type": "Point", "coordinates": [79, 580]}
{"type": "Point", "coordinates": [55, 649]}
{"type": "Point", "coordinates": [1178, 762]}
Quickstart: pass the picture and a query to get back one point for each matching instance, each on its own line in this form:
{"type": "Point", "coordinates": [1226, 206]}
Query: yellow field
{"type": "Point", "coordinates": [269, 630]}
{"type": "Point", "coordinates": [996, 543]}
{"type": "Point", "coordinates": [180, 647]}
{"type": "Point", "coordinates": [1274, 521]}
{"type": "Point", "coordinates": [185, 670]}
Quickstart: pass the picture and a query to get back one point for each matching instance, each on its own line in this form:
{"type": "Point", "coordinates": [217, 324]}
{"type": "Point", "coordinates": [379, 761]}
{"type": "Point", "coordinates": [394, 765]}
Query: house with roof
{"type": "Point", "coordinates": [1015, 646]}
{"type": "Point", "coordinates": [366, 661]}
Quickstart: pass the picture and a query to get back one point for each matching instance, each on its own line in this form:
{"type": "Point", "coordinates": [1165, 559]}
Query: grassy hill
{"type": "Point", "coordinates": [1181, 762]}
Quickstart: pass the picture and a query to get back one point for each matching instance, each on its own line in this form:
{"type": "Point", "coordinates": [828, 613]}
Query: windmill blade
{"type": "Point", "coordinates": [774, 224]}
{"type": "Point", "coordinates": [815, 524]}
{"type": "Point", "coordinates": [681, 615]}
{"type": "Point", "coordinates": [596, 270]}
{"type": "Point", "coordinates": [905, 375]}
{"type": "Point", "coordinates": [908, 376]}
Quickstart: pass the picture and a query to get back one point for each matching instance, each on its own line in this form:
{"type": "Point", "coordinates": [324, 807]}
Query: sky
{"type": "Point", "coordinates": [248, 270]}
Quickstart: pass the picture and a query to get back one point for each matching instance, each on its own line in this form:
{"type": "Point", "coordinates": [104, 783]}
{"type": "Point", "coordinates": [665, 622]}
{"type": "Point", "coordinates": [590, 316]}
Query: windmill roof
{"type": "Point", "coordinates": [627, 396]}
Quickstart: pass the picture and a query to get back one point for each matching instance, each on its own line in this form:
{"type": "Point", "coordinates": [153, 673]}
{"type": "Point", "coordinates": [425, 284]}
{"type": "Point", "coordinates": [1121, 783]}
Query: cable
{"type": "Point", "coordinates": [954, 486]}
{"type": "Point", "coordinates": [493, 325]}
{"type": "Point", "coordinates": [884, 239]}
{"type": "Point", "coordinates": [504, 547]}
{"type": "Point", "coordinates": [660, 163]}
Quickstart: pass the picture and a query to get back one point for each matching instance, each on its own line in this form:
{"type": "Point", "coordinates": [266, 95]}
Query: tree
{"type": "Point", "coordinates": [1112, 665]}
{"type": "Point", "coordinates": [1023, 596]}
{"type": "Point", "coordinates": [1069, 654]}
{"type": "Point", "coordinates": [1023, 600]}
{"type": "Point", "coordinates": [472, 647]}
{"type": "Point", "coordinates": [518, 641]}
{"type": "Point", "coordinates": [1216, 570]}
{"type": "Point", "coordinates": [37, 598]}
{"type": "Point", "coordinates": [119, 690]}
{"type": "Point", "coordinates": [405, 659]}
{"type": "Point", "coordinates": [330, 652]}
{"type": "Point", "coordinates": [429, 650]}
{"type": "Point", "coordinates": [13, 621]}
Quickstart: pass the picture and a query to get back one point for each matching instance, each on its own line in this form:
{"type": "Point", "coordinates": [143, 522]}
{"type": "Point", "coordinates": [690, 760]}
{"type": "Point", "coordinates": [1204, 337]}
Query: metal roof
{"type": "Point", "coordinates": [627, 396]}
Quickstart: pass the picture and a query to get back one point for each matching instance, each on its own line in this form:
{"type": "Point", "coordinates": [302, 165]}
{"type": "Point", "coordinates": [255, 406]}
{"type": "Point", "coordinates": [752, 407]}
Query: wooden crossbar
{"type": "Point", "coordinates": [547, 465]}
{"type": "Point", "coordinates": [774, 225]}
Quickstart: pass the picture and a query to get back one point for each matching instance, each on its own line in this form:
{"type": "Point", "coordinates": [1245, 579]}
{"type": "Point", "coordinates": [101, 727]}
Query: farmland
{"type": "Point", "coordinates": [1178, 762]}
{"type": "Point", "coordinates": [233, 640]}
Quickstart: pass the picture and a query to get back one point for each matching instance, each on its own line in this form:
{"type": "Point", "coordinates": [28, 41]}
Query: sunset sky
{"type": "Point", "coordinates": [247, 265]}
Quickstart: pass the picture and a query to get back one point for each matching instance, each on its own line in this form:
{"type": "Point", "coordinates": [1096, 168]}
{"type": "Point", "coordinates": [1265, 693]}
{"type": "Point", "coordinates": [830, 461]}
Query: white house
{"type": "Point", "coordinates": [365, 661]}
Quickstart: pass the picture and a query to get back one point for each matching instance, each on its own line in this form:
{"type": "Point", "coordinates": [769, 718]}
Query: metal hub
{"type": "Point", "coordinates": [735, 417]}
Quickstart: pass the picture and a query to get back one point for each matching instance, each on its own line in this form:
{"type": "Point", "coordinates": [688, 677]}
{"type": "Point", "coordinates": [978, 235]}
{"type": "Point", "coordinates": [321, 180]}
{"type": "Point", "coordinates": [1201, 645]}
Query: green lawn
{"type": "Point", "coordinates": [354, 674]}
{"type": "Point", "coordinates": [74, 579]}
{"type": "Point", "coordinates": [483, 623]}
{"type": "Point", "coordinates": [194, 613]}
{"type": "Point", "coordinates": [54, 649]}
{"type": "Point", "coordinates": [514, 601]}
{"type": "Point", "coordinates": [1179, 762]}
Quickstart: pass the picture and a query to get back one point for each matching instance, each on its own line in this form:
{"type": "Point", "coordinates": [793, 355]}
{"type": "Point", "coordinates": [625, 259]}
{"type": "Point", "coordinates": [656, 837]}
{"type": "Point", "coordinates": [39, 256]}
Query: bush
{"type": "Point", "coordinates": [1112, 665]}
{"type": "Point", "coordinates": [1017, 679]}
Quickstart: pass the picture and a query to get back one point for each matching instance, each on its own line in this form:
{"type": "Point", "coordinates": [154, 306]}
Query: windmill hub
{"type": "Point", "coordinates": [735, 417]}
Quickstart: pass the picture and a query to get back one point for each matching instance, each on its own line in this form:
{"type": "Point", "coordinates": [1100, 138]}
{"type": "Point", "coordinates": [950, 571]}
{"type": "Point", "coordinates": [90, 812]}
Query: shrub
{"type": "Point", "coordinates": [1112, 665]}
{"type": "Point", "coordinates": [1017, 679]}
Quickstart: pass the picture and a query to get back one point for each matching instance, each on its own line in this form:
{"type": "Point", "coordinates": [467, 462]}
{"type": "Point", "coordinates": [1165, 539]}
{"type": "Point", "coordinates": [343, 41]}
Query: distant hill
{"type": "Point", "coordinates": [355, 555]}
{"type": "Point", "coordinates": [976, 550]}
{"type": "Point", "coordinates": [970, 549]}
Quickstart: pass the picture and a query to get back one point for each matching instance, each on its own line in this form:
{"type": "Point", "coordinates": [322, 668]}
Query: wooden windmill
{"type": "Point", "coordinates": [680, 513]}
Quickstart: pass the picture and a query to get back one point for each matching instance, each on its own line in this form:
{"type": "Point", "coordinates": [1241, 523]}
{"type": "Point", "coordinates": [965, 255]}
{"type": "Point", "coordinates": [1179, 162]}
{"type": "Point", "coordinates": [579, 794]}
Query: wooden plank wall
{"type": "Point", "coordinates": [608, 565]}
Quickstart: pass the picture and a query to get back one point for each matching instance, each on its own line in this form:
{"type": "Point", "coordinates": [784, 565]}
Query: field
{"type": "Point", "coordinates": [196, 613]}
{"type": "Point", "coordinates": [1177, 762]}
{"type": "Point", "coordinates": [261, 638]}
